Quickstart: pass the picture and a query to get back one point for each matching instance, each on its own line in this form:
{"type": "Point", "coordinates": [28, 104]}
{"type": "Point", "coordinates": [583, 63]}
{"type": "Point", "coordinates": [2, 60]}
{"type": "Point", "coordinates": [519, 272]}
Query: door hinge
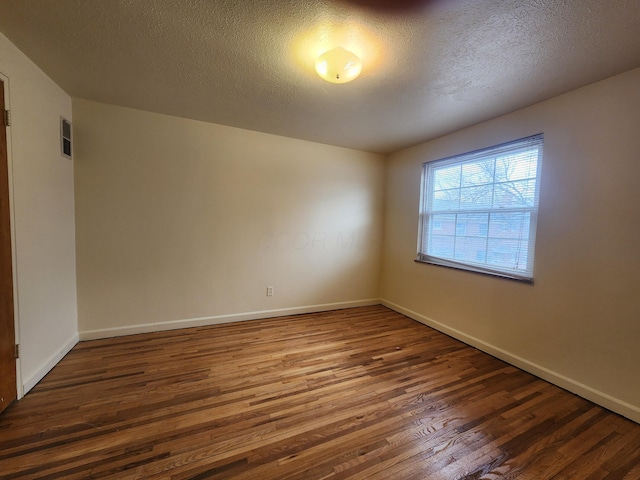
{"type": "Point", "coordinates": [17, 351]}
{"type": "Point", "coordinates": [7, 118]}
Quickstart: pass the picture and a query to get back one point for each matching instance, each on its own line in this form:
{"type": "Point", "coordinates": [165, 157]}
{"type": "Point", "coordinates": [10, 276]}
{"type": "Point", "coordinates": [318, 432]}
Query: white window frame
{"type": "Point", "coordinates": [523, 267]}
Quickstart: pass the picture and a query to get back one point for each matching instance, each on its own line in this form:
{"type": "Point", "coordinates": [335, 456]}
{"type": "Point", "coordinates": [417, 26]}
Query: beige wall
{"type": "Point", "coordinates": [43, 216]}
{"type": "Point", "coordinates": [579, 324]}
{"type": "Point", "coordinates": [182, 222]}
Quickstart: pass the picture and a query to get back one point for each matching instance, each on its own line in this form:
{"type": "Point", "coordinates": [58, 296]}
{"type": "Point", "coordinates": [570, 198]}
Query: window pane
{"type": "Point", "coordinates": [446, 200]}
{"type": "Point", "coordinates": [507, 253]}
{"type": "Point", "coordinates": [446, 223]}
{"type": "Point", "coordinates": [477, 173]}
{"type": "Point", "coordinates": [442, 246]}
{"type": "Point", "coordinates": [515, 194]}
{"type": "Point", "coordinates": [476, 197]}
{"type": "Point", "coordinates": [446, 178]}
{"type": "Point", "coordinates": [473, 224]}
{"type": "Point", "coordinates": [509, 225]}
{"type": "Point", "coordinates": [520, 166]}
{"type": "Point", "coordinates": [470, 248]}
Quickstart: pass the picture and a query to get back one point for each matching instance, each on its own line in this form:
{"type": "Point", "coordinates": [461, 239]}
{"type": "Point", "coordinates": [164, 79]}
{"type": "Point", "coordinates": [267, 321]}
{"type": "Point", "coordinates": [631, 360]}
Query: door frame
{"type": "Point", "coordinates": [16, 314]}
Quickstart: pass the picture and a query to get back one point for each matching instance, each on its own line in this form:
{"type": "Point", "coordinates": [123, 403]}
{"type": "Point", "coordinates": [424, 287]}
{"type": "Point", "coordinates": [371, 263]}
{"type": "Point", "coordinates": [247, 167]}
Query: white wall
{"type": "Point", "coordinates": [43, 216]}
{"type": "Point", "coordinates": [579, 324]}
{"type": "Point", "coordinates": [182, 222]}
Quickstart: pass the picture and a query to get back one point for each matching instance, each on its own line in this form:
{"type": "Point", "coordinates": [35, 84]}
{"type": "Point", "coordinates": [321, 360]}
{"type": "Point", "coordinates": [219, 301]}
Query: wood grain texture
{"type": "Point", "coordinates": [362, 393]}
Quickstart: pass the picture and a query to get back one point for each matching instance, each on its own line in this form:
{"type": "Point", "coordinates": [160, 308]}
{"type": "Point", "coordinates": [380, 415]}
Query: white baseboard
{"type": "Point", "coordinates": [48, 365]}
{"type": "Point", "coordinates": [607, 401]}
{"type": "Point", "coordinates": [218, 319]}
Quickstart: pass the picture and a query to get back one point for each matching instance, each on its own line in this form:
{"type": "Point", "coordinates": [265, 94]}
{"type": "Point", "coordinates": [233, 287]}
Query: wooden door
{"type": "Point", "coordinates": [8, 391]}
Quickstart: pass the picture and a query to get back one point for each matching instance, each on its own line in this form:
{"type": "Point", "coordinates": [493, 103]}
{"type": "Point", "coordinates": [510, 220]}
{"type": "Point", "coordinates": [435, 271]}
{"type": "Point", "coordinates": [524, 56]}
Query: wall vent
{"type": "Point", "coordinates": [65, 137]}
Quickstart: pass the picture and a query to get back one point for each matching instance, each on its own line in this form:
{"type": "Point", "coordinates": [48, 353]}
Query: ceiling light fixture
{"type": "Point", "coordinates": [338, 65]}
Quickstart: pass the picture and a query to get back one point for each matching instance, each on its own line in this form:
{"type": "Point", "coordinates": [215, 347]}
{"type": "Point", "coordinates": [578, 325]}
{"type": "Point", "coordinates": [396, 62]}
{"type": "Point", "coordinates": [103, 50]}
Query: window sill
{"type": "Point", "coordinates": [472, 269]}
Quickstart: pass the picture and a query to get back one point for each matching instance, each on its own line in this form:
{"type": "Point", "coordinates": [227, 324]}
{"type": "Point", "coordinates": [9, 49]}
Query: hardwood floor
{"type": "Point", "coordinates": [360, 393]}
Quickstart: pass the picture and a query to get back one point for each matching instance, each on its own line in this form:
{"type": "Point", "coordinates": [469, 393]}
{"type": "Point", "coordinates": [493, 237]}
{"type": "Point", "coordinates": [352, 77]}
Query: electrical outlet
{"type": "Point", "coordinates": [269, 291]}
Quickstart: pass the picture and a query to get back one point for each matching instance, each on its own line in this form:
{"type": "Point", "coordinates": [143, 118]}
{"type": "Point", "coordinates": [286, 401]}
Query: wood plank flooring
{"type": "Point", "coordinates": [362, 393]}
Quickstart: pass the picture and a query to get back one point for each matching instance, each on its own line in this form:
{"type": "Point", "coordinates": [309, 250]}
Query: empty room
{"type": "Point", "coordinates": [335, 239]}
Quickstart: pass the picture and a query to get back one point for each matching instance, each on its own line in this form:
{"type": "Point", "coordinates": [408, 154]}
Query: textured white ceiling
{"type": "Point", "coordinates": [427, 71]}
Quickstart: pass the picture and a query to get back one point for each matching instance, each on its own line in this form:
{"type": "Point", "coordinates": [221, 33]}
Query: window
{"type": "Point", "coordinates": [479, 209]}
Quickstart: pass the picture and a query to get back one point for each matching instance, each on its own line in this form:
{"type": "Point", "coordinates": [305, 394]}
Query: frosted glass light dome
{"type": "Point", "coordinates": [338, 65]}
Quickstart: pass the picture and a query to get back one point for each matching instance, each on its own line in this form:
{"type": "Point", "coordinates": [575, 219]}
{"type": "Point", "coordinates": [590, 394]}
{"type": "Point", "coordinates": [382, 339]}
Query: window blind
{"type": "Point", "coordinates": [479, 209]}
